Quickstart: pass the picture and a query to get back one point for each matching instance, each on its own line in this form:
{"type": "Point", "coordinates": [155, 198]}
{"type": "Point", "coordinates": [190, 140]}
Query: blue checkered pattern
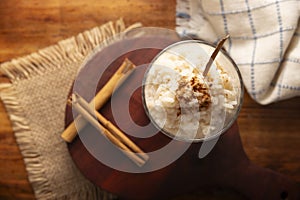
{"type": "Point", "coordinates": [264, 40]}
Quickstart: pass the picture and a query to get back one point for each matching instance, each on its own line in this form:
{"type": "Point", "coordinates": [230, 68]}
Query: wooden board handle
{"type": "Point", "coordinates": [262, 183]}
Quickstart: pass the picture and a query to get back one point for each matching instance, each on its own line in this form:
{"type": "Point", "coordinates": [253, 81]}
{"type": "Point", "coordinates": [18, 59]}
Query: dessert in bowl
{"type": "Point", "coordinates": [183, 103]}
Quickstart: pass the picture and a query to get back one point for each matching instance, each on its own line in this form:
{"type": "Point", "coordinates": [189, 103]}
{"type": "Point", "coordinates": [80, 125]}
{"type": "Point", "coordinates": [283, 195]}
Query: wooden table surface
{"type": "Point", "coordinates": [270, 134]}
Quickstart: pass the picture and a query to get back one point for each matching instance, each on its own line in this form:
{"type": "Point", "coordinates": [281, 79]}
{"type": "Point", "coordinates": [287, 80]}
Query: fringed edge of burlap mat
{"type": "Point", "coordinates": [52, 58]}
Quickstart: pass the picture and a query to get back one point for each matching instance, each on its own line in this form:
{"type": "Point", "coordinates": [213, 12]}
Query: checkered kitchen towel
{"type": "Point", "coordinates": [264, 40]}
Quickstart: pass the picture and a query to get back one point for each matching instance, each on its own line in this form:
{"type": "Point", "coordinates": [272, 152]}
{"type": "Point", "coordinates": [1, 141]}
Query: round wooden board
{"type": "Point", "coordinates": [225, 166]}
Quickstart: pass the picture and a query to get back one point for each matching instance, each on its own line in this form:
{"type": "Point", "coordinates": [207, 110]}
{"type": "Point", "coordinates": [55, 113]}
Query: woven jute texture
{"type": "Point", "coordinates": [35, 101]}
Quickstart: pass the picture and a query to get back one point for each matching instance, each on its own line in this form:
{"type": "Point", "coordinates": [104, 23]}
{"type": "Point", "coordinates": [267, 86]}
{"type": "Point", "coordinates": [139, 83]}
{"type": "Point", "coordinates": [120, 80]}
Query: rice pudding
{"type": "Point", "coordinates": [183, 103]}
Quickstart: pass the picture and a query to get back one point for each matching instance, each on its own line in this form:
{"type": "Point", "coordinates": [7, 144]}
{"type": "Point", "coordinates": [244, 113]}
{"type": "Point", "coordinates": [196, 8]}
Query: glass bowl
{"type": "Point", "coordinates": [181, 102]}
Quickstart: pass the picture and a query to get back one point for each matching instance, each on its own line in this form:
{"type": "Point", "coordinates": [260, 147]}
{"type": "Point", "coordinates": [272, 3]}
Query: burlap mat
{"type": "Point", "coordinates": [35, 101]}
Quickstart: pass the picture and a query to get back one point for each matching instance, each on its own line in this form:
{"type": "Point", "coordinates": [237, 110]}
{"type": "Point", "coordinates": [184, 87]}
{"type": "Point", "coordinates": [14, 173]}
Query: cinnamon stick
{"type": "Point", "coordinates": [214, 55]}
{"type": "Point", "coordinates": [86, 115]}
{"type": "Point", "coordinates": [112, 128]}
{"type": "Point", "coordinates": [100, 99]}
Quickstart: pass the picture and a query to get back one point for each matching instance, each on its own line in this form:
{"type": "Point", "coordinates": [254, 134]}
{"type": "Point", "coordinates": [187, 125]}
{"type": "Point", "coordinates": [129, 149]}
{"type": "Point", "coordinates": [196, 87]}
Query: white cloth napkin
{"type": "Point", "coordinates": [264, 40]}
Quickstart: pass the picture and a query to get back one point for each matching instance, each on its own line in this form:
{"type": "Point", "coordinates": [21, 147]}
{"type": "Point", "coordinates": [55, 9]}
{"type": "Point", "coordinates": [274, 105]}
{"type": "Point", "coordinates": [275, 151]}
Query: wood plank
{"type": "Point", "coordinates": [270, 134]}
